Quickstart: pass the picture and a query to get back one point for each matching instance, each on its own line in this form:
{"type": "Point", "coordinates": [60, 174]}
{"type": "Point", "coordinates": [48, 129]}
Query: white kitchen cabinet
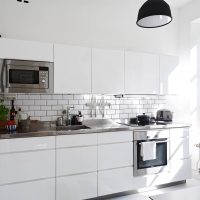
{"type": "Point", "coordinates": [168, 74]}
{"type": "Point", "coordinates": [107, 71]}
{"type": "Point", "coordinates": [27, 144]}
{"type": "Point", "coordinates": [26, 166]}
{"type": "Point", "coordinates": [141, 73]}
{"type": "Point", "coordinates": [78, 187]}
{"type": "Point", "coordinates": [76, 160]}
{"type": "Point", "coordinates": [72, 69]}
{"type": "Point", "coordinates": [115, 155]}
{"type": "Point", "coordinates": [36, 190]}
{"type": "Point", "coordinates": [25, 50]}
{"type": "Point", "coordinates": [76, 140]}
{"type": "Point", "coordinates": [115, 137]}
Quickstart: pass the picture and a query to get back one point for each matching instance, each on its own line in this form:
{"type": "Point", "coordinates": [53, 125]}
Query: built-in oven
{"type": "Point", "coordinates": [158, 143]}
{"type": "Point", "coordinates": [20, 76]}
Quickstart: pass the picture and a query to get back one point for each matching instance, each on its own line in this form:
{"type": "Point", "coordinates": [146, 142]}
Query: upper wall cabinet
{"type": "Point", "coordinates": [168, 74]}
{"type": "Point", "coordinates": [25, 50]}
{"type": "Point", "coordinates": [72, 69]}
{"type": "Point", "coordinates": [141, 73]}
{"type": "Point", "coordinates": [107, 71]}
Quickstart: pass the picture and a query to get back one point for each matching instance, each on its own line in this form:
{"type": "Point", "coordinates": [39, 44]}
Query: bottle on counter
{"type": "Point", "coordinates": [12, 111]}
{"type": "Point", "coordinates": [80, 118]}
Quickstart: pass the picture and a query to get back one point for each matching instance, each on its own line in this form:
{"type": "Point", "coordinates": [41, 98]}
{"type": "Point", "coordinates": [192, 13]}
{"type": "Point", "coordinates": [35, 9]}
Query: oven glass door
{"type": "Point", "coordinates": [23, 76]}
{"type": "Point", "coordinates": [161, 155]}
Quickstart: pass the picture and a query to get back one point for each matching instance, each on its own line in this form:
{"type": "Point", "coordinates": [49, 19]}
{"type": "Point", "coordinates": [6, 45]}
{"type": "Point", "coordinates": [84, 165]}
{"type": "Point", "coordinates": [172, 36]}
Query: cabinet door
{"type": "Point", "coordinates": [19, 167]}
{"type": "Point", "coordinates": [25, 50]}
{"type": "Point", "coordinates": [141, 73]}
{"type": "Point", "coordinates": [36, 190]}
{"type": "Point", "coordinates": [107, 71]}
{"type": "Point", "coordinates": [168, 74]}
{"type": "Point", "coordinates": [72, 69]}
{"type": "Point", "coordinates": [76, 160]}
{"type": "Point", "coordinates": [115, 155]}
{"type": "Point", "coordinates": [77, 187]}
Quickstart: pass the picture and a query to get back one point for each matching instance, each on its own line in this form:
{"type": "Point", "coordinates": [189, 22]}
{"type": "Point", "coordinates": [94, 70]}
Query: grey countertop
{"type": "Point", "coordinates": [95, 126]}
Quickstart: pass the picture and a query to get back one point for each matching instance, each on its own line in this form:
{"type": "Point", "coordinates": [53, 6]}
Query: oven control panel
{"type": "Point", "coordinates": [43, 79]}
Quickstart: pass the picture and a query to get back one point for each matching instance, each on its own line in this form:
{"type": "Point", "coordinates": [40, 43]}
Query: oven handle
{"type": "Point", "coordinates": [157, 142]}
{"type": "Point", "coordinates": [2, 75]}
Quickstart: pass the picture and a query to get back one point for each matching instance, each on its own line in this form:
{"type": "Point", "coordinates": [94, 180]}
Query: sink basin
{"type": "Point", "coordinates": [71, 128]}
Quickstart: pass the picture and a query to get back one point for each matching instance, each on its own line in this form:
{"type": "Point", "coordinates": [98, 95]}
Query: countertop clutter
{"type": "Point", "coordinates": [89, 126]}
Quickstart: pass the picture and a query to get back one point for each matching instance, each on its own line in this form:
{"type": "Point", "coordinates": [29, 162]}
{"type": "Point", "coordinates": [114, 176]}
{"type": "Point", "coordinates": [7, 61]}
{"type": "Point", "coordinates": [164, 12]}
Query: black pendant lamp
{"type": "Point", "coordinates": [153, 14]}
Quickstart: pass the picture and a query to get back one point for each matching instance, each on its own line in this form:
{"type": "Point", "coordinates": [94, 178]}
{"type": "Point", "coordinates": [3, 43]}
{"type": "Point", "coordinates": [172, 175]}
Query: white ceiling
{"type": "Point", "coordinates": [177, 3]}
{"type": "Point", "coordinates": [172, 3]}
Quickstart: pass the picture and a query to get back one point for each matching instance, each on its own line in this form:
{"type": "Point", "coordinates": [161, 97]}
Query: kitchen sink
{"type": "Point", "coordinates": [71, 128]}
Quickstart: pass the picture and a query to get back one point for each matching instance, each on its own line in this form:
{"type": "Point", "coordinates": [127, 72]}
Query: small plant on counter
{"type": "Point", "coordinates": [3, 113]}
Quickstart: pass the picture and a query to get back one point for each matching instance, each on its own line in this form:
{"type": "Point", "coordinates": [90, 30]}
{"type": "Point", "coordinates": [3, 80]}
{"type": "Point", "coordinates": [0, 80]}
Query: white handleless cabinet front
{"type": "Point", "coordinates": [169, 74]}
{"type": "Point", "coordinates": [107, 71]}
{"type": "Point", "coordinates": [76, 160]}
{"type": "Point", "coordinates": [35, 190]}
{"type": "Point", "coordinates": [77, 187]}
{"type": "Point", "coordinates": [115, 155]}
{"type": "Point", "coordinates": [141, 73]}
{"type": "Point", "coordinates": [25, 50]}
{"type": "Point", "coordinates": [72, 69]}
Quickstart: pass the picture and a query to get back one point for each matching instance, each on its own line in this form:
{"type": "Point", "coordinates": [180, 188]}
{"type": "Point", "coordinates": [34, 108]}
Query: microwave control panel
{"type": "Point", "coordinates": [44, 80]}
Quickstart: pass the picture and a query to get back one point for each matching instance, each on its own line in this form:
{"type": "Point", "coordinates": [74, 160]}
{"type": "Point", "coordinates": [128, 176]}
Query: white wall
{"type": "Point", "coordinates": [189, 46]}
{"type": "Point", "coordinates": [95, 23]}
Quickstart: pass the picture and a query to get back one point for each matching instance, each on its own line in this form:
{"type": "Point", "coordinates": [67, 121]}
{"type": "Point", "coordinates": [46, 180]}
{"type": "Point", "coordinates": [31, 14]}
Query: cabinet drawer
{"type": "Point", "coordinates": [114, 137]}
{"type": "Point", "coordinates": [36, 190]}
{"type": "Point", "coordinates": [19, 167]}
{"type": "Point", "coordinates": [27, 144]}
{"type": "Point", "coordinates": [77, 187]}
{"type": "Point", "coordinates": [179, 132]}
{"type": "Point", "coordinates": [179, 148]}
{"type": "Point", "coordinates": [76, 160]}
{"type": "Point", "coordinates": [115, 155]}
{"type": "Point", "coordinates": [76, 140]}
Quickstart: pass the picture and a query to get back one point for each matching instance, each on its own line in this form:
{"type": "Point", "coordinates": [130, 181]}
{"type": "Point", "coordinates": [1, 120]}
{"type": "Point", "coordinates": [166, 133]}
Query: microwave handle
{"type": "Point", "coordinates": [2, 76]}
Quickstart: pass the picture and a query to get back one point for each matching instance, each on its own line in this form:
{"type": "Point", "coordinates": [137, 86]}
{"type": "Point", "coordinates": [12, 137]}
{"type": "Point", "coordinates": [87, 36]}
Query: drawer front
{"type": "Point", "coordinates": [76, 187]}
{"type": "Point", "coordinates": [115, 137]}
{"type": "Point", "coordinates": [27, 144]}
{"type": "Point", "coordinates": [76, 140]}
{"type": "Point", "coordinates": [36, 190]}
{"type": "Point", "coordinates": [179, 132]}
{"type": "Point", "coordinates": [76, 160]}
{"type": "Point", "coordinates": [179, 148]}
{"type": "Point", "coordinates": [19, 167]}
{"type": "Point", "coordinates": [115, 155]}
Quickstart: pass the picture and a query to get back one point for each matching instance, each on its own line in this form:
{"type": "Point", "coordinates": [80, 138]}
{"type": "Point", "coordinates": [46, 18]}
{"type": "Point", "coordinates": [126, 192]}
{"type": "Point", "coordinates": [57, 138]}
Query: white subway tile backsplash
{"type": "Point", "coordinates": [63, 102]}
{"type": "Point", "coordinates": [73, 102]}
{"type": "Point", "coordinates": [46, 96]}
{"type": "Point", "coordinates": [67, 96]}
{"type": "Point", "coordinates": [40, 113]}
{"type": "Point", "coordinates": [56, 107]}
{"type": "Point", "coordinates": [34, 107]}
{"type": "Point", "coordinates": [52, 102]}
{"type": "Point", "coordinates": [51, 113]}
{"type": "Point", "coordinates": [28, 102]}
{"type": "Point", "coordinates": [47, 107]}
{"type": "Point", "coordinates": [40, 102]}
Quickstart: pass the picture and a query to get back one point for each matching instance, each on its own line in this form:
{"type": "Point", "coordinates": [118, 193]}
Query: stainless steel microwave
{"type": "Point", "coordinates": [21, 76]}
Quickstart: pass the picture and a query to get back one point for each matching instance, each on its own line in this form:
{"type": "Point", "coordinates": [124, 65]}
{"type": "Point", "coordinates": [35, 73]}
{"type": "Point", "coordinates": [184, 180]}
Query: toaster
{"type": "Point", "coordinates": [164, 115]}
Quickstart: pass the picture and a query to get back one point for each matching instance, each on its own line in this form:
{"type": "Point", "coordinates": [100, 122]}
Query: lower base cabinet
{"type": "Point", "coordinates": [36, 190]}
{"type": "Point", "coordinates": [122, 179]}
{"type": "Point", "coordinates": [76, 187]}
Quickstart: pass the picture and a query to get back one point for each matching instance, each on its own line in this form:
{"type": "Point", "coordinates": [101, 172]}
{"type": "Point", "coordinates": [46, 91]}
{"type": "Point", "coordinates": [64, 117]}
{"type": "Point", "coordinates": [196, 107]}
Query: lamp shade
{"type": "Point", "coordinates": [153, 14]}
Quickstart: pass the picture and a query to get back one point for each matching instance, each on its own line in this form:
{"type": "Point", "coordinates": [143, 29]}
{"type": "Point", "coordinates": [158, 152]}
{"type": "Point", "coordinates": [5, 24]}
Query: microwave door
{"type": "Point", "coordinates": [22, 76]}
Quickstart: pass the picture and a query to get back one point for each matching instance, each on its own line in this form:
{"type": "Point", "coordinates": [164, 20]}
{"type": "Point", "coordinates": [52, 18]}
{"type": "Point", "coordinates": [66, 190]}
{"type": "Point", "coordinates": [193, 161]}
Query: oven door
{"type": "Point", "coordinates": [155, 166]}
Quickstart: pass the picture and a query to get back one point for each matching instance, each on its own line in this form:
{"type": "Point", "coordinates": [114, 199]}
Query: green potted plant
{"type": "Point", "coordinates": [3, 114]}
